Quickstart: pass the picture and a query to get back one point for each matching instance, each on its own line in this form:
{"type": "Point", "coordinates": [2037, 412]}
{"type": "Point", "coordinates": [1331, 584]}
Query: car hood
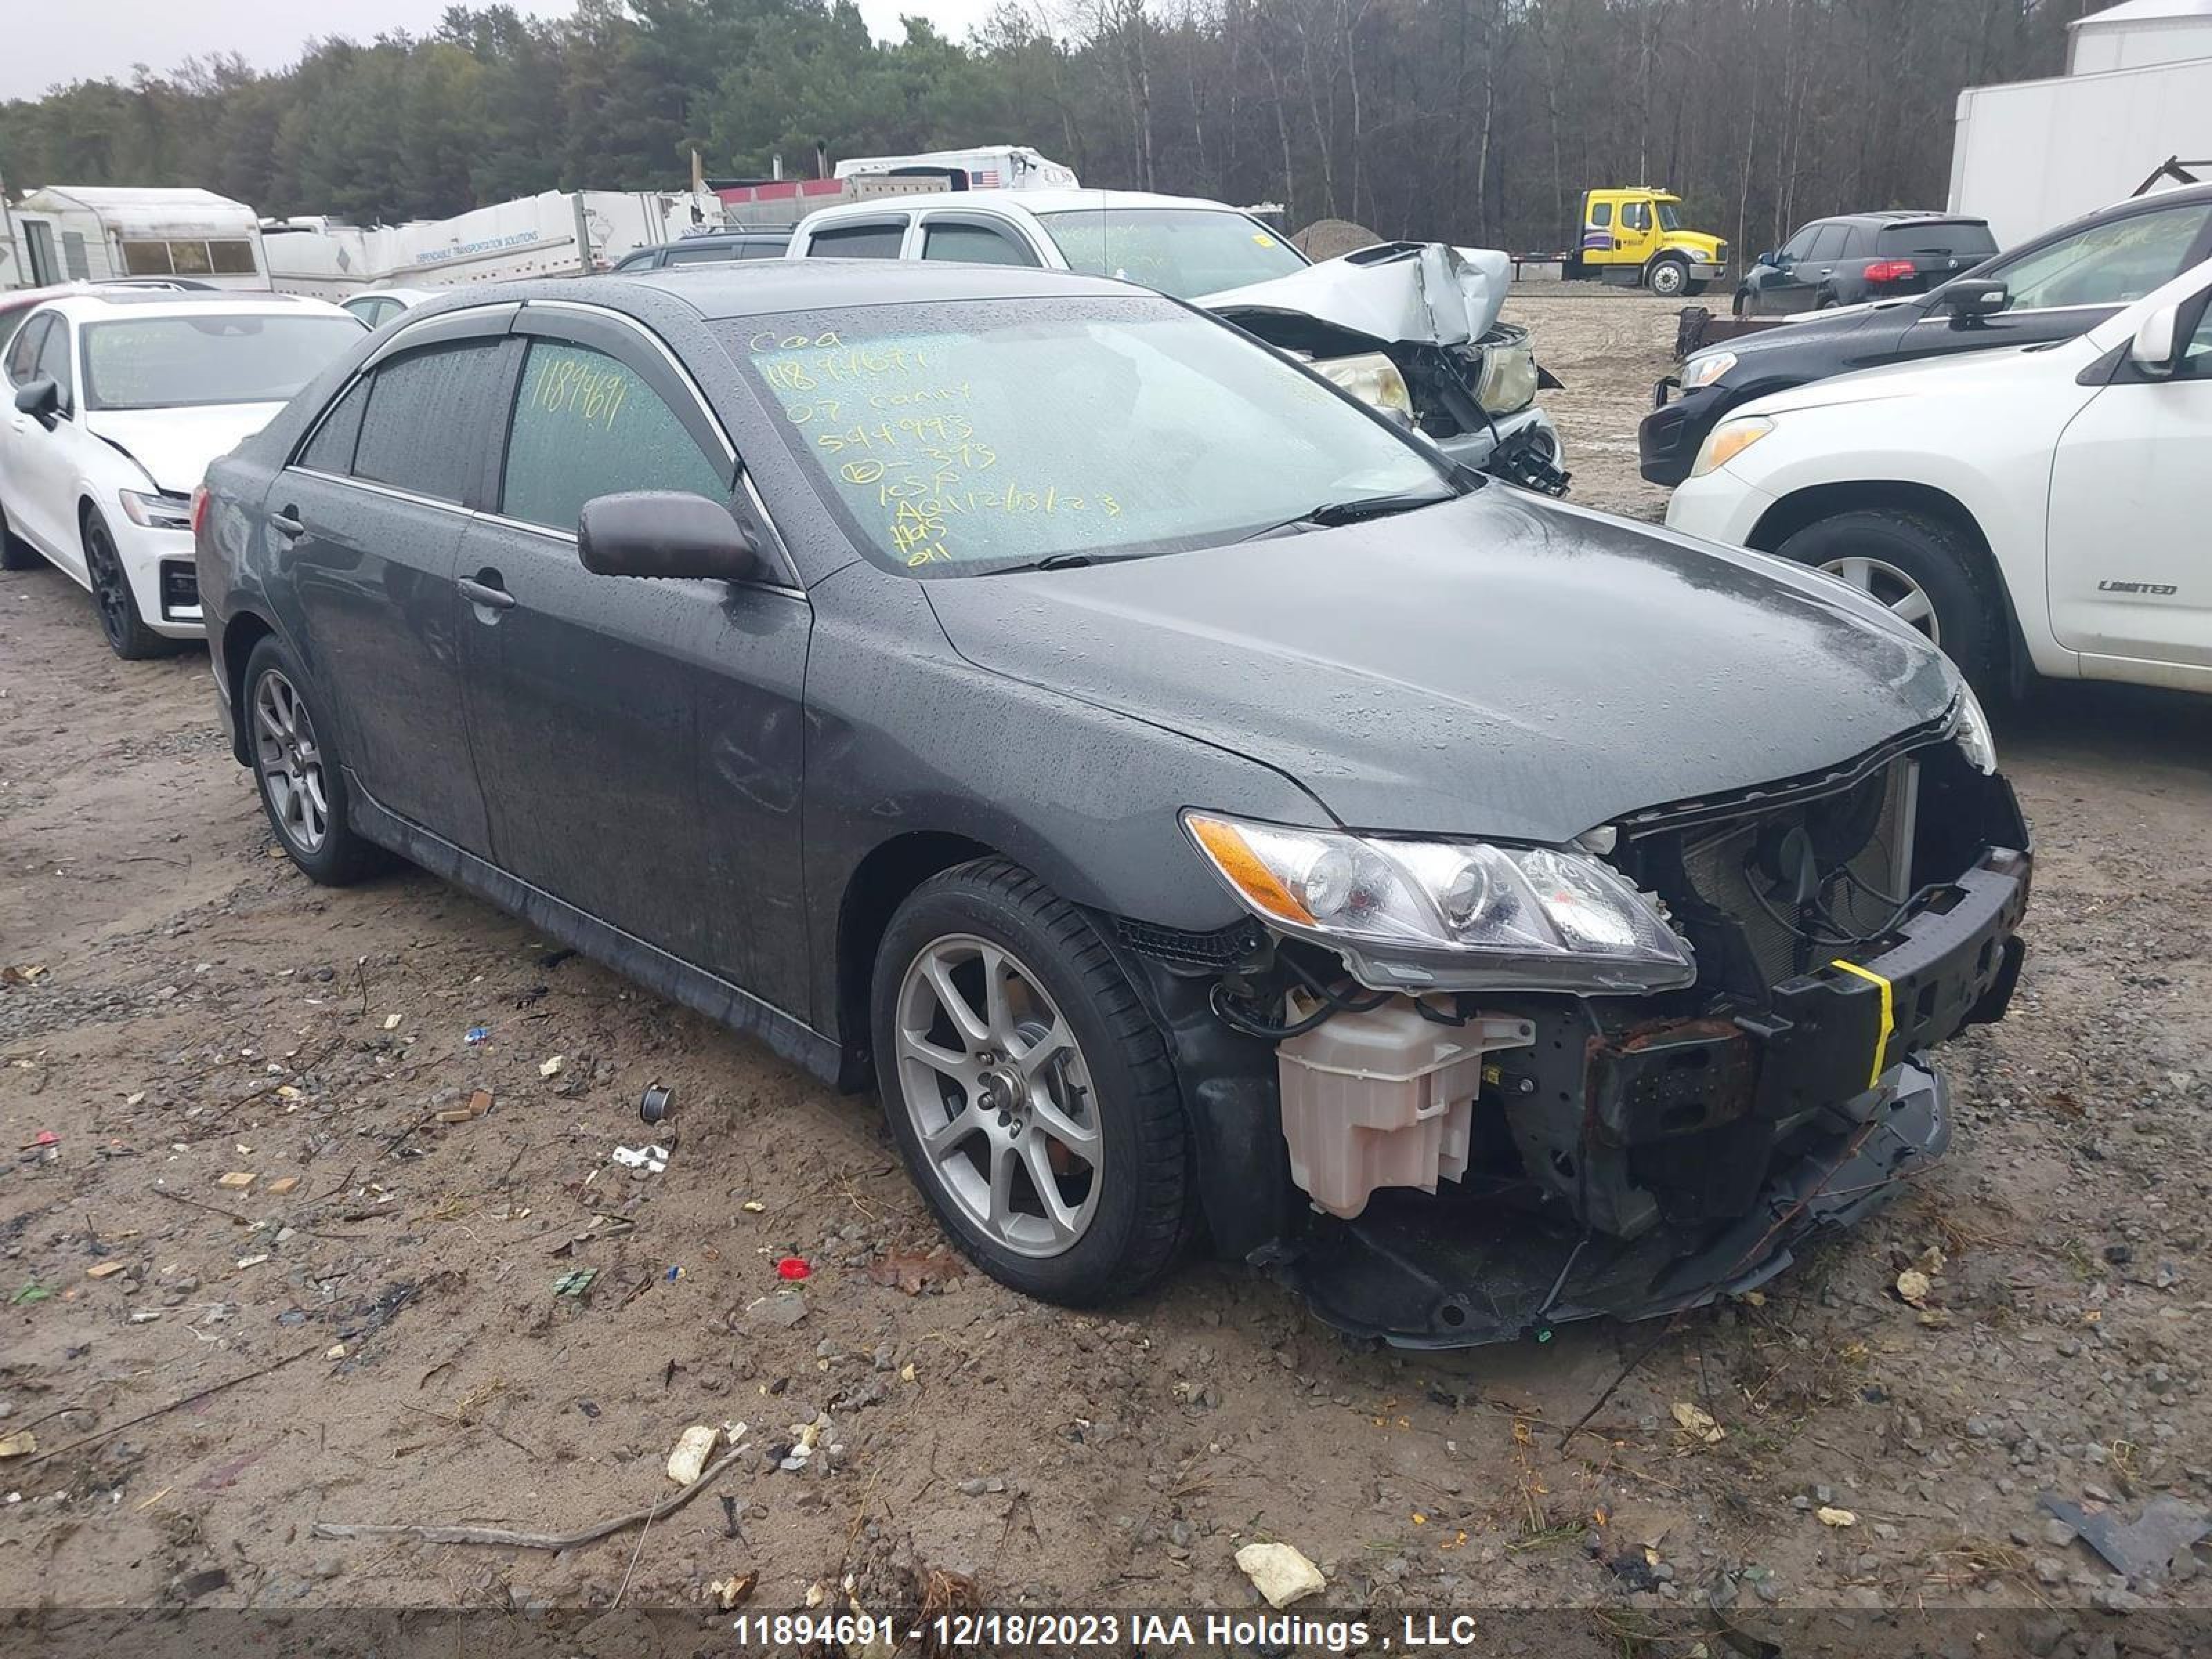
{"type": "Point", "coordinates": [1392, 293]}
{"type": "Point", "coordinates": [174, 446]}
{"type": "Point", "coordinates": [2022, 367]}
{"type": "Point", "coordinates": [1498, 665]}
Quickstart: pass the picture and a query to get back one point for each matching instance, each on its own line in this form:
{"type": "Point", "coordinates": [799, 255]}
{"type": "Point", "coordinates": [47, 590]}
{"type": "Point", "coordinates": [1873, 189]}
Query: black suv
{"type": "Point", "coordinates": [1857, 256]}
{"type": "Point", "coordinates": [714, 248]}
{"type": "Point", "coordinates": [2062, 284]}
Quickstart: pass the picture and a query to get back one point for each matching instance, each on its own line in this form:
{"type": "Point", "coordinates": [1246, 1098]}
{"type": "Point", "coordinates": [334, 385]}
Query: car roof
{"type": "Point", "coordinates": [138, 302]}
{"type": "Point", "coordinates": [717, 239]}
{"type": "Point", "coordinates": [1901, 216]}
{"type": "Point", "coordinates": [765, 287]}
{"type": "Point", "coordinates": [1027, 201]}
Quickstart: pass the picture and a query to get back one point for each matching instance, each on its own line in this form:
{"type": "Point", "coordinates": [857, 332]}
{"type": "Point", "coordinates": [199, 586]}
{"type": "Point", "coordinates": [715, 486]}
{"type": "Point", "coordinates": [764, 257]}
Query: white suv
{"type": "Point", "coordinates": [1409, 328]}
{"type": "Point", "coordinates": [2038, 509]}
{"type": "Point", "coordinates": [117, 401]}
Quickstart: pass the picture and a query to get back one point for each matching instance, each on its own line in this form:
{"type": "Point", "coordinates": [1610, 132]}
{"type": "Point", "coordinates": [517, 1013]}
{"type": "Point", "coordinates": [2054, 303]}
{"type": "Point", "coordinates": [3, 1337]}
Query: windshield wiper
{"type": "Point", "coordinates": [1050, 562]}
{"type": "Point", "coordinates": [1330, 515]}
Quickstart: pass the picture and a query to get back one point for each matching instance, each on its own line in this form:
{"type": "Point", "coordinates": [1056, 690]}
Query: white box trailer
{"type": "Point", "coordinates": [2035, 154]}
{"type": "Point", "coordinates": [97, 232]}
{"type": "Point", "coordinates": [557, 234]}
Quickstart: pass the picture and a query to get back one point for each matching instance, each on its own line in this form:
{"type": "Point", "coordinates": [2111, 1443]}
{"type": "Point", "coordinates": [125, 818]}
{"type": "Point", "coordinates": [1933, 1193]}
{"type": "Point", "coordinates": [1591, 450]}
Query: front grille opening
{"type": "Point", "coordinates": [1813, 880]}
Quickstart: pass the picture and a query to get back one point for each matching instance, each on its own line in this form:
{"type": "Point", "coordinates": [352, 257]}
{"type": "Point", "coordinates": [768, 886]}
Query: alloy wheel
{"type": "Point", "coordinates": [111, 589]}
{"type": "Point", "coordinates": [1000, 1098]}
{"type": "Point", "coordinates": [290, 762]}
{"type": "Point", "coordinates": [1888, 585]}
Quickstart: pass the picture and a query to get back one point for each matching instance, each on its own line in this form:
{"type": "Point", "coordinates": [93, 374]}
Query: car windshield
{"type": "Point", "coordinates": [223, 357]}
{"type": "Point", "coordinates": [1668, 218]}
{"type": "Point", "coordinates": [961, 438]}
{"type": "Point", "coordinates": [1185, 252]}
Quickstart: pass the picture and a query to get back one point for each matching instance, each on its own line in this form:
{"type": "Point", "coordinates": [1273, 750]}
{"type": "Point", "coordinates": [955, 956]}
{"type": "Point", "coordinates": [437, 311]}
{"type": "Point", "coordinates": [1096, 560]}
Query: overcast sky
{"type": "Point", "coordinates": [46, 42]}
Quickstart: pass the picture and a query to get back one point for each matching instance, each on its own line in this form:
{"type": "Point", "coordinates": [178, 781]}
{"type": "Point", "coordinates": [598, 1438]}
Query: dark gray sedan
{"type": "Point", "coordinates": [1193, 804]}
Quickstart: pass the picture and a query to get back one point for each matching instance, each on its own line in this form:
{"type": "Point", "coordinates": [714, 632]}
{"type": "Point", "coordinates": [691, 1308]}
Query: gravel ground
{"type": "Point", "coordinates": [199, 1011]}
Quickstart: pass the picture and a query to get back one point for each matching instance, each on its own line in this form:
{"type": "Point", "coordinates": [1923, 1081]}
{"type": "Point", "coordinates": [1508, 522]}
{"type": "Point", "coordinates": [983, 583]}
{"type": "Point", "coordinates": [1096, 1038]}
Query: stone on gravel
{"type": "Point", "coordinates": [1280, 1573]}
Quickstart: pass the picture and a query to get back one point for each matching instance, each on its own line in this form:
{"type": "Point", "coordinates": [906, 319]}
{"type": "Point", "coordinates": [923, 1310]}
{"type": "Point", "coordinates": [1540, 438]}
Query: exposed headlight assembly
{"type": "Point", "coordinates": [1373, 378]}
{"type": "Point", "coordinates": [1969, 728]}
{"type": "Point", "coordinates": [1707, 368]}
{"type": "Point", "coordinates": [1509, 377]}
{"type": "Point", "coordinates": [156, 511]}
{"type": "Point", "coordinates": [1449, 915]}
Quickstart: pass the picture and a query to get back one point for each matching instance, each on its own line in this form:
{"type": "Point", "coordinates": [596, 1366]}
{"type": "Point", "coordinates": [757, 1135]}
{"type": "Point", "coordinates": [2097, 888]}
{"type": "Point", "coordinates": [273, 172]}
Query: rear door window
{"type": "Point", "coordinates": [1829, 244]}
{"type": "Point", "coordinates": [331, 450]}
{"type": "Point", "coordinates": [586, 425]}
{"type": "Point", "coordinates": [873, 241]}
{"type": "Point", "coordinates": [23, 356]}
{"type": "Point", "coordinates": [418, 433]}
{"type": "Point", "coordinates": [720, 253]}
{"type": "Point", "coordinates": [760, 250]}
{"type": "Point", "coordinates": [2114, 263]}
{"type": "Point", "coordinates": [974, 244]}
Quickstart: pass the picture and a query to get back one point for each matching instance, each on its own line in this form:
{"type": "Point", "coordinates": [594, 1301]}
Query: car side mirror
{"type": "Point", "coordinates": [2156, 343]}
{"type": "Point", "coordinates": [666, 532]}
{"type": "Point", "coordinates": [39, 398]}
{"type": "Point", "coordinates": [1971, 300]}
{"type": "Point", "coordinates": [1763, 259]}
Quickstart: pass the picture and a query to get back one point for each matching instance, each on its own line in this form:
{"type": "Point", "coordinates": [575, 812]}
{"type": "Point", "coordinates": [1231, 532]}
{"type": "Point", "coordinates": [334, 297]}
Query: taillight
{"type": "Point", "coordinates": [1891, 271]}
{"type": "Point", "coordinates": [199, 511]}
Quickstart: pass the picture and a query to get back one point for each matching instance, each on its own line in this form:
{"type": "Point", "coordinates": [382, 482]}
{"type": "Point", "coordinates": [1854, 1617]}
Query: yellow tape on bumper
{"type": "Point", "coordinates": [1889, 1018]}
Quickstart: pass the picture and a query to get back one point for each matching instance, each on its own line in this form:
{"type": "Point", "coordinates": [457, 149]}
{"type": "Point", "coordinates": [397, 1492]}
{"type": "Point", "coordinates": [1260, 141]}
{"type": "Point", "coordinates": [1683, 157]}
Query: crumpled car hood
{"type": "Point", "coordinates": [174, 446]}
{"type": "Point", "coordinates": [1498, 666]}
{"type": "Point", "coordinates": [1393, 293]}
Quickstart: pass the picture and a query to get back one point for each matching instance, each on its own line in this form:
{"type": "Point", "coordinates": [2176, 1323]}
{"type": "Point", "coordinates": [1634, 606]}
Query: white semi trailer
{"type": "Point", "coordinates": [2137, 95]}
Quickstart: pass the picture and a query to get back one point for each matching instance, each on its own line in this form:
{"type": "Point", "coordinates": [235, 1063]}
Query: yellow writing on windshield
{"type": "Point", "coordinates": [896, 425]}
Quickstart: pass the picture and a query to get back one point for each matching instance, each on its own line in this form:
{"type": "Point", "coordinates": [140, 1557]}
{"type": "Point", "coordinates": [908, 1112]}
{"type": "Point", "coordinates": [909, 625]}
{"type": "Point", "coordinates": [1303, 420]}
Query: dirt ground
{"type": "Point", "coordinates": [209, 1369]}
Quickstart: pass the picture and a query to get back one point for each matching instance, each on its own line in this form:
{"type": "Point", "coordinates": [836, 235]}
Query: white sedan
{"type": "Point", "coordinates": [117, 401]}
{"type": "Point", "coordinates": [2041, 509]}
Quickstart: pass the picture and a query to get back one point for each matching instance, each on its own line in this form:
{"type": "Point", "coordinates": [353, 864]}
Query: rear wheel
{"type": "Point", "coordinates": [128, 636]}
{"type": "Point", "coordinates": [1923, 571]}
{"type": "Point", "coordinates": [1668, 277]}
{"type": "Point", "coordinates": [302, 781]}
{"type": "Point", "coordinates": [1028, 1089]}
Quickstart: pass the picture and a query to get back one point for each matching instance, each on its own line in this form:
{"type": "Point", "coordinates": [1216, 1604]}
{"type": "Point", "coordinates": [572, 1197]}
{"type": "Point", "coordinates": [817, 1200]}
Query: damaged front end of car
{"type": "Point", "coordinates": [1510, 1087]}
{"type": "Point", "coordinates": [1413, 328]}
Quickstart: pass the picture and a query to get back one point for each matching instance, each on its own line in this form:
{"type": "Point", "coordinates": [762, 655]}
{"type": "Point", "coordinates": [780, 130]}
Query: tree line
{"type": "Point", "coordinates": [1475, 121]}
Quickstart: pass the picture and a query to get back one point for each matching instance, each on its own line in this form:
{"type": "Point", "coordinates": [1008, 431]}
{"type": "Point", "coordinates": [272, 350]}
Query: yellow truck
{"type": "Point", "coordinates": [1634, 237]}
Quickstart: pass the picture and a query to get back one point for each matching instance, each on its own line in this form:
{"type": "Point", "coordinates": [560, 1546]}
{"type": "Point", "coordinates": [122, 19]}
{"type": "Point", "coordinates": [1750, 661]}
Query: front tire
{"type": "Point", "coordinates": [1028, 1089]}
{"type": "Point", "coordinates": [300, 776]}
{"type": "Point", "coordinates": [1668, 278]}
{"type": "Point", "coordinates": [1924, 570]}
{"type": "Point", "coordinates": [128, 636]}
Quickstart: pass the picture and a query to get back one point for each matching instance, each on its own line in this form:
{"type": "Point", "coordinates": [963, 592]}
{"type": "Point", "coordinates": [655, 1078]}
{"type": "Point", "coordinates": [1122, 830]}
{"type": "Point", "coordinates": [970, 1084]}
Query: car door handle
{"type": "Point", "coordinates": [478, 592]}
{"type": "Point", "coordinates": [288, 523]}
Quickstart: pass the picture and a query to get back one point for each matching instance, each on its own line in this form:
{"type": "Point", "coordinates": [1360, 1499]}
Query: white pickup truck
{"type": "Point", "coordinates": [1409, 327]}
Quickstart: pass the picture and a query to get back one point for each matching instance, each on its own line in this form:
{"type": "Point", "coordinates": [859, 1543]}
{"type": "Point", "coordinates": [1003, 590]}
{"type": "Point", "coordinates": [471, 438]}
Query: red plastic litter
{"type": "Point", "coordinates": [48, 1137]}
{"type": "Point", "coordinates": [793, 1266]}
